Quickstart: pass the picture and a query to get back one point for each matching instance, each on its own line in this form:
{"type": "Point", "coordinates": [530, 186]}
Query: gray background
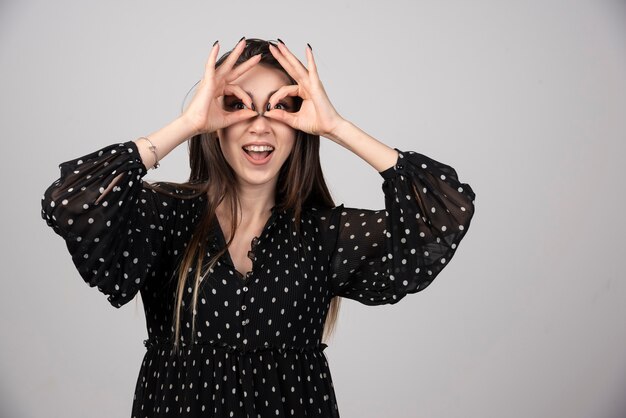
{"type": "Point", "coordinates": [525, 99]}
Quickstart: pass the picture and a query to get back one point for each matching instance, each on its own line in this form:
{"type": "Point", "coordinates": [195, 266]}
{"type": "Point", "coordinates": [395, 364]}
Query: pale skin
{"type": "Point", "coordinates": [256, 184]}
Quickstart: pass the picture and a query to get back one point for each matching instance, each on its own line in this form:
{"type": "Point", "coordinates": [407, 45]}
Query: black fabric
{"type": "Point", "coordinates": [258, 348]}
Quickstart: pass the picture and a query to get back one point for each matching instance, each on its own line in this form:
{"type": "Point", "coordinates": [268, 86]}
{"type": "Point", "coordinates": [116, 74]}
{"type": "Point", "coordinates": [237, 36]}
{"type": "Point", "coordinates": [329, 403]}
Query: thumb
{"type": "Point", "coordinates": [282, 116]}
{"type": "Point", "coordinates": [239, 116]}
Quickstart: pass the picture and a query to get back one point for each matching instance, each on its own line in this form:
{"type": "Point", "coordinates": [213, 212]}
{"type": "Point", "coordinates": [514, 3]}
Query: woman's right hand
{"type": "Point", "coordinates": [205, 113]}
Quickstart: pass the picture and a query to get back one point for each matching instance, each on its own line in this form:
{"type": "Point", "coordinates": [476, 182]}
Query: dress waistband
{"type": "Point", "coordinates": [153, 342]}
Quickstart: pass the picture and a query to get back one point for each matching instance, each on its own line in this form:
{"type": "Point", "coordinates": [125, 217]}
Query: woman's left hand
{"type": "Point", "coordinates": [317, 115]}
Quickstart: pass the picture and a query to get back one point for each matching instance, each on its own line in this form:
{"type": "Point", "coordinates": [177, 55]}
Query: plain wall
{"type": "Point", "coordinates": [526, 100]}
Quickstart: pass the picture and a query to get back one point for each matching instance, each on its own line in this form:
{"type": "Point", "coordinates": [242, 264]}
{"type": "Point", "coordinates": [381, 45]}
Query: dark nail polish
{"type": "Point", "coordinates": [273, 44]}
{"type": "Point", "coordinates": [215, 43]}
{"type": "Point", "coordinates": [310, 47]}
{"type": "Point", "coordinates": [279, 40]}
{"type": "Point", "coordinates": [267, 107]}
{"type": "Point", "coordinates": [242, 38]}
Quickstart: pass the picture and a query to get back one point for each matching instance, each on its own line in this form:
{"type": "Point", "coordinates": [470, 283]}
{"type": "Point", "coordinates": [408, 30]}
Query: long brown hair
{"type": "Point", "coordinates": [300, 183]}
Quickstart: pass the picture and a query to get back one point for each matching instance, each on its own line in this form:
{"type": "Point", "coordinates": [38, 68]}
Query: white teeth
{"type": "Point", "coordinates": [258, 148]}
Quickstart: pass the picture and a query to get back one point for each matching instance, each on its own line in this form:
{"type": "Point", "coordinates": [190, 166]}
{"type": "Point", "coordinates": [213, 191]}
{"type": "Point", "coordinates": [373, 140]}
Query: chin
{"type": "Point", "coordinates": [257, 179]}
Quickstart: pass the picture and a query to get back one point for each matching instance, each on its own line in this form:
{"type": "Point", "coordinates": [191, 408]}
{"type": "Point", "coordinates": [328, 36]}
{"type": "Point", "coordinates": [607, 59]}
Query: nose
{"type": "Point", "coordinates": [260, 124]}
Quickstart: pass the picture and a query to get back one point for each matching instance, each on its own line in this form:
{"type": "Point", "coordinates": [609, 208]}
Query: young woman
{"type": "Point", "coordinates": [241, 269]}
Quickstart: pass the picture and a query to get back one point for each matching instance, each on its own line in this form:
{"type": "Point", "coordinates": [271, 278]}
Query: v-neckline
{"type": "Point", "coordinates": [253, 243]}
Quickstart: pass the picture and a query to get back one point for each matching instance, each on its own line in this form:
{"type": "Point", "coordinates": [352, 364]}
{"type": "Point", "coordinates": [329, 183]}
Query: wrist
{"type": "Point", "coordinates": [187, 126]}
{"type": "Point", "coordinates": [338, 132]}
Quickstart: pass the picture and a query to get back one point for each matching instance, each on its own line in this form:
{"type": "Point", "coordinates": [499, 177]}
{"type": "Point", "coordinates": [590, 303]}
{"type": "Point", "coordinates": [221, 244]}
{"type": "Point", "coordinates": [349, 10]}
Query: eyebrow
{"type": "Point", "coordinates": [270, 93]}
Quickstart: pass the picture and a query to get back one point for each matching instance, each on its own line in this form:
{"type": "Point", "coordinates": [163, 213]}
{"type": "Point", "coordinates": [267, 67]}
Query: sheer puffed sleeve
{"type": "Point", "coordinates": [380, 256]}
{"type": "Point", "coordinates": [114, 240]}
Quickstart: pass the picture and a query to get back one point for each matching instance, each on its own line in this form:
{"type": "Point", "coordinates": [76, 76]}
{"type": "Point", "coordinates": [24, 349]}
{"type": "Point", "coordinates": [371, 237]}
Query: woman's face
{"type": "Point", "coordinates": [256, 148]}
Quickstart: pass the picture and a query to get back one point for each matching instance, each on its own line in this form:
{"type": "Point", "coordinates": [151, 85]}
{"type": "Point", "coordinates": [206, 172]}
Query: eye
{"type": "Point", "coordinates": [238, 105]}
{"type": "Point", "coordinates": [233, 104]}
{"type": "Point", "coordinates": [283, 106]}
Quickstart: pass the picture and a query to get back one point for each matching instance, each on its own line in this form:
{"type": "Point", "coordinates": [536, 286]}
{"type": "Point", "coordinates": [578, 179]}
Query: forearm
{"type": "Point", "coordinates": [371, 150]}
{"type": "Point", "coordinates": [164, 140]}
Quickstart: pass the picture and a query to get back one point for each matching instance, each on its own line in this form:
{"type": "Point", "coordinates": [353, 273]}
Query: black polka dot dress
{"type": "Point", "coordinates": [258, 349]}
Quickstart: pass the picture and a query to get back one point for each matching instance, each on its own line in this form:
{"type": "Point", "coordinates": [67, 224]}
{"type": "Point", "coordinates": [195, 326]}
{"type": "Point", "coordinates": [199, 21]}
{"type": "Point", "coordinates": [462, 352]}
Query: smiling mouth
{"type": "Point", "coordinates": [258, 152]}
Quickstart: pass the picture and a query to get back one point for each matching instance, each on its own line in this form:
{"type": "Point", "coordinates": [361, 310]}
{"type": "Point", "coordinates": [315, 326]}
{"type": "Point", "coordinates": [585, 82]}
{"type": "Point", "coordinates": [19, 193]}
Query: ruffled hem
{"type": "Point", "coordinates": [154, 342]}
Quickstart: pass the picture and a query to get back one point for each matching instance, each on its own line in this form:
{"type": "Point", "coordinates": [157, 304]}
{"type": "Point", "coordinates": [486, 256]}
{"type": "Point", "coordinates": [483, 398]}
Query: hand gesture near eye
{"type": "Point", "coordinates": [205, 113]}
{"type": "Point", "coordinates": [316, 115]}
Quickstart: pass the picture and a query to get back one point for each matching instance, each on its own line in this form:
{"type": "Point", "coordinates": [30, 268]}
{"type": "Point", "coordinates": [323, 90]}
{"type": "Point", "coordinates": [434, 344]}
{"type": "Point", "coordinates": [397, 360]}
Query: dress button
{"type": "Point", "coordinates": [243, 307]}
{"type": "Point", "coordinates": [245, 288]}
{"type": "Point", "coordinates": [245, 322]}
{"type": "Point", "coordinates": [399, 166]}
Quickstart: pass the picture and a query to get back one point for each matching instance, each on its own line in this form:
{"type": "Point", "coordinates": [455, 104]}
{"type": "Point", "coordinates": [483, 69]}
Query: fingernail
{"type": "Point", "coordinates": [267, 107]}
{"type": "Point", "coordinates": [215, 43]}
{"type": "Point", "coordinates": [273, 44]}
{"type": "Point", "coordinates": [279, 40]}
{"type": "Point", "coordinates": [242, 38]}
{"type": "Point", "coordinates": [310, 47]}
